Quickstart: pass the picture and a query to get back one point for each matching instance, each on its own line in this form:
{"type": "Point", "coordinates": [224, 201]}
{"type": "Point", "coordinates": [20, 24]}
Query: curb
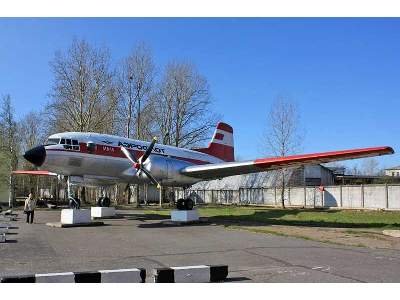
{"type": "Point", "coordinates": [193, 274]}
{"type": "Point", "coordinates": [134, 275]}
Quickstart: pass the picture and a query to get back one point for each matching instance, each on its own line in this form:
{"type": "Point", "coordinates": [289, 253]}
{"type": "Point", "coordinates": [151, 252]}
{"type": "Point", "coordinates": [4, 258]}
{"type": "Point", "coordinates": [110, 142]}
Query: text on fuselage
{"type": "Point", "coordinates": [140, 147]}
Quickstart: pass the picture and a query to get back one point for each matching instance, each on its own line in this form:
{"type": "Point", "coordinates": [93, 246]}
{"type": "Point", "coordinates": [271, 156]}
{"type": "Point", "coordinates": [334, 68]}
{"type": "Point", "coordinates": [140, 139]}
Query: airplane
{"type": "Point", "coordinates": [94, 159]}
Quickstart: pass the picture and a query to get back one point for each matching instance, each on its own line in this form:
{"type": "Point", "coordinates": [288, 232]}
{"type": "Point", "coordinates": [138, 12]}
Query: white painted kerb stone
{"type": "Point", "coordinates": [192, 274]}
{"type": "Point", "coordinates": [123, 275]}
{"type": "Point", "coordinates": [101, 212]}
{"type": "Point", "coordinates": [67, 277]}
{"type": "Point", "coordinates": [184, 215]}
{"type": "Point", "coordinates": [75, 216]}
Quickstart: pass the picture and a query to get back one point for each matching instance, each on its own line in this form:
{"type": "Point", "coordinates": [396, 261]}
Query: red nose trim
{"type": "Point", "coordinates": [136, 166]}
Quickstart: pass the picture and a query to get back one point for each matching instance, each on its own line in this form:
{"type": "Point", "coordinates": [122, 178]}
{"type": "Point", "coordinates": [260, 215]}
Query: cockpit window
{"type": "Point", "coordinates": [53, 141]}
{"type": "Point", "coordinates": [70, 144]}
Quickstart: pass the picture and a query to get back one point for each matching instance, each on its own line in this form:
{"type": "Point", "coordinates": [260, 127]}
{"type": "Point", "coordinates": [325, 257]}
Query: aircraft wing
{"type": "Point", "coordinates": [219, 170]}
{"type": "Point", "coordinates": [35, 172]}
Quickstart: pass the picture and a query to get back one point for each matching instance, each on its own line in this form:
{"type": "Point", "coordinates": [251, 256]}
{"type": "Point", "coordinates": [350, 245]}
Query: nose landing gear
{"type": "Point", "coordinates": [73, 202]}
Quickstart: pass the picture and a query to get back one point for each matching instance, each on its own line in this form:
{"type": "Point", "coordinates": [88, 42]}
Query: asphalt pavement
{"type": "Point", "coordinates": [139, 240]}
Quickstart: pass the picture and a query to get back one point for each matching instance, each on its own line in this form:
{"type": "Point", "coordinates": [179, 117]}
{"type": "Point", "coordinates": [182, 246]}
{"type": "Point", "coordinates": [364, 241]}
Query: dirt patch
{"type": "Point", "coordinates": [371, 238]}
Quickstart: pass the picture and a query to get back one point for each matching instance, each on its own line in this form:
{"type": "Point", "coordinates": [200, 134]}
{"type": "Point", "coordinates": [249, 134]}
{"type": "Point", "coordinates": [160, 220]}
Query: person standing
{"type": "Point", "coordinates": [30, 205]}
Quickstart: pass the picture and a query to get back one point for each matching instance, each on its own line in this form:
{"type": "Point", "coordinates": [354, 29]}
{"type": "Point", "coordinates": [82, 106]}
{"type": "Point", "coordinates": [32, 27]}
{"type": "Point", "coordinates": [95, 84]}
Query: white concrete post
{"type": "Point", "coordinates": [161, 189]}
{"type": "Point", "coordinates": [362, 196]}
{"type": "Point", "coordinates": [386, 196]}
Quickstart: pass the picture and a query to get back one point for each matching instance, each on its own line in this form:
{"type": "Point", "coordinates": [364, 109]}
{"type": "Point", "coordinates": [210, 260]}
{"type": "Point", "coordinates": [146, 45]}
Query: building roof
{"type": "Point", "coordinates": [393, 168]}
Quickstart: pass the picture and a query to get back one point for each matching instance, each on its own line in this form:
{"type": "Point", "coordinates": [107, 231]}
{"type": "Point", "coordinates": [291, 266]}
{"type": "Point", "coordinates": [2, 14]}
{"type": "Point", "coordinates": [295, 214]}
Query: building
{"type": "Point", "coordinates": [394, 171]}
{"type": "Point", "coordinates": [309, 175]}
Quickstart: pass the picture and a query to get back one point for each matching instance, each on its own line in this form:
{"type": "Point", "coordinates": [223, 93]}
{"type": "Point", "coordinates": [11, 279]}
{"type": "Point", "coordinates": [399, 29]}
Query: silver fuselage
{"type": "Point", "coordinates": [107, 164]}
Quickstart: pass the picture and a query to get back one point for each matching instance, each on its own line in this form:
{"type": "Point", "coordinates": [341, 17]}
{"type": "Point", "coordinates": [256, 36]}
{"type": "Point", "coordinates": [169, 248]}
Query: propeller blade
{"type": "Point", "coordinates": [128, 155]}
{"type": "Point", "coordinates": [152, 179]}
{"type": "Point", "coordinates": [148, 151]}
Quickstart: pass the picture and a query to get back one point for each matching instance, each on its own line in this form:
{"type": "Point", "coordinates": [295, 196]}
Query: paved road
{"type": "Point", "coordinates": [138, 240]}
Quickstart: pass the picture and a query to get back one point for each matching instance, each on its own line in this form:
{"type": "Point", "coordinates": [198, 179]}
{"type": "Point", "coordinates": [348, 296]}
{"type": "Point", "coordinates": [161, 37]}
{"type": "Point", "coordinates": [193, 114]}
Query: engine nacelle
{"type": "Point", "coordinates": [167, 171]}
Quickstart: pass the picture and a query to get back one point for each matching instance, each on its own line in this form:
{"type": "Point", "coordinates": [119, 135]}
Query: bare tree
{"type": "Point", "coordinates": [283, 137]}
{"type": "Point", "coordinates": [370, 166]}
{"type": "Point", "coordinates": [31, 131]}
{"type": "Point", "coordinates": [135, 84]}
{"type": "Point", "coordinates": [9, 144]}
{"type": "Point", "coordinates": [83, 96]}
{"type": "Point", "coordinates": [355, 170]}
{"type": "Point", "coordinates": [183, 106]}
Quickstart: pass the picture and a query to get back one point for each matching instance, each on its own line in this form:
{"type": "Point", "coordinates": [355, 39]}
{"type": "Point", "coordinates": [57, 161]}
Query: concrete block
{"type": "Point", "coordinates": [75, 216]}
{"type": "Point", "coordinates": [192, 274]}
{"type": "Point", "coordinates": [393, 233]}
{"type": "Point", "coordinates": [67, 277]}
{"type": "Point", "coordinates": [184, 215]}
{"type": "Point", "coordinates": [102, 212]}
{"type": "Point", "coordinates": [123, 276]}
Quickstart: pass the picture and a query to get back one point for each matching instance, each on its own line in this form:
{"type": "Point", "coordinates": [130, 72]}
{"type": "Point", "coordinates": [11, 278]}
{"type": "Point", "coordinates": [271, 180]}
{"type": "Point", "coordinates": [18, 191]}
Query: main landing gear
{"type": "Point", "coordinates": [184, 204]}
{"type": "Point", "coordinates": [103, 202]}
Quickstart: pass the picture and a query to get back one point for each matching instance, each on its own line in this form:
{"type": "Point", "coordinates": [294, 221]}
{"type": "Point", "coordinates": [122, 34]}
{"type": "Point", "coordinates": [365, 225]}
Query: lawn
{"type": "Point", "coordinates": [299, 217]}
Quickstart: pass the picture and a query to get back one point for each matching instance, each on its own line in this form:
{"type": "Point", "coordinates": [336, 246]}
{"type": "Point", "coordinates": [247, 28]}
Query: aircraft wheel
{"type": "Point", "coordinates": [98, 202]}
{"type": "Point", "coordinates": [180, 204]}
{"type": "Point", "coordinates": [74, 203]}
{"type": "Point", "coordinates": [105, 202]}
{"type": "Point", "coordinates": [189, 204]}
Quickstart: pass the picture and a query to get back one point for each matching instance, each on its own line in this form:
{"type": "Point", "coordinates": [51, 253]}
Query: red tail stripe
{"type": "Point", "coordinates": [219, 136]}
{"type": "Point", "coordinates": [224, 127]}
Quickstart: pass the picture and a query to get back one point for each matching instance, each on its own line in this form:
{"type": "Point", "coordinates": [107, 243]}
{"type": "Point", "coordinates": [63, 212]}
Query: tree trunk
{"type": "Point", "coordinates": [11, 196]}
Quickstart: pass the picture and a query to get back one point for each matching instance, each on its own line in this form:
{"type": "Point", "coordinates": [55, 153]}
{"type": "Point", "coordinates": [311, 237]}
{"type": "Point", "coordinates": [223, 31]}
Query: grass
{"type": "Point", "coordinates": [299, 217]}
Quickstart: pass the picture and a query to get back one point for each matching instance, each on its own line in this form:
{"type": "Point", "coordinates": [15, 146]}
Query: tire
{"type": "Point", "coordinates": [98, 202]}
{"type": "Point", "coordinates": [189, 204]}
{"type": "Point", "coordinates": [105, 202]}
{"type": "Point", "coordinates": [74, 203]}
{"type": "Point", "coordinates": [180, 204]}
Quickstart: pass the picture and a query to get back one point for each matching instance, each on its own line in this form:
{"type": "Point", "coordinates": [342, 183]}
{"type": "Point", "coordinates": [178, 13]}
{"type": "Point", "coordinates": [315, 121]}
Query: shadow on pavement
{"type": "Point", "coordinates": [236, 279]}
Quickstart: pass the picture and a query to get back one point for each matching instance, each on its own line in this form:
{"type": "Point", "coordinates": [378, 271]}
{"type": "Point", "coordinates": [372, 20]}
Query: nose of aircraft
{"type": "Point", "coordinates": [36, 155]}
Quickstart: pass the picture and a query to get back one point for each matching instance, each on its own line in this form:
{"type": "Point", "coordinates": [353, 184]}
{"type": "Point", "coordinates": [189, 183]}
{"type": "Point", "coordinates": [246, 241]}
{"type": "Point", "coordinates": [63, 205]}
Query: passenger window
{"type": "Point", "coordinates": [62, 142]}
{"type": "Point", "coordinates": [75, 145]}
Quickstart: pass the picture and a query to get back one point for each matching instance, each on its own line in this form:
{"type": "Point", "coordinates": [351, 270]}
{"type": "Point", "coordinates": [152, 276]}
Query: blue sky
{"type": "Point", "coordinates": [344, 74]}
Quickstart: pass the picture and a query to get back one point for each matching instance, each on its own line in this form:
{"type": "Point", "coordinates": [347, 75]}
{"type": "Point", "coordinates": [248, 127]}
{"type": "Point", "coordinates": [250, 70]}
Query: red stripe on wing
{"type": "Point", "coordinates": [324, 156]}
{"type": "Point", "coordinates": [41, 172]}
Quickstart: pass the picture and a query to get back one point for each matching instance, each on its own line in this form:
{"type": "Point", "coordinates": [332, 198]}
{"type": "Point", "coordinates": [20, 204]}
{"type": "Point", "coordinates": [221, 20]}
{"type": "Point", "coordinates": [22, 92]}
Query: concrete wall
{"type": "Point", "coordinates": [348, 196]}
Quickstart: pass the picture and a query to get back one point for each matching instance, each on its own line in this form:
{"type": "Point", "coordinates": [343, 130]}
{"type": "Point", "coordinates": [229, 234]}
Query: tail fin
{"type": "Point", "coordinates": [221, 144]}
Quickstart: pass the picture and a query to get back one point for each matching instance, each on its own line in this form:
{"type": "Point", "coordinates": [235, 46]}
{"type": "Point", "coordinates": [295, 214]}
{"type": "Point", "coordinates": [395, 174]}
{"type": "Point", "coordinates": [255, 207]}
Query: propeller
{"type": "Point", "coordinates": [138, 163]}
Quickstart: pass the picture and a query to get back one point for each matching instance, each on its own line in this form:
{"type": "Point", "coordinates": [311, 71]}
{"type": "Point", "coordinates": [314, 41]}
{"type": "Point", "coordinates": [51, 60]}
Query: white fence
{"type": "Point", "coordinates": [346, 196]}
